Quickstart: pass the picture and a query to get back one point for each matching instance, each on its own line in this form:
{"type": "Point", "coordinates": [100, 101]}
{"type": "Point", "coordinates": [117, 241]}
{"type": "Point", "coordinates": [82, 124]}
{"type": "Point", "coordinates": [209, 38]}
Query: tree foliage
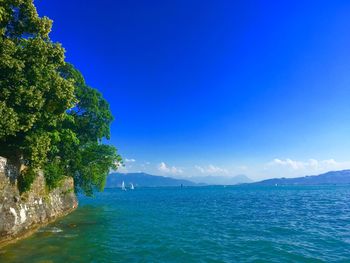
{"type": "Point", "coordinates": [50, 118]}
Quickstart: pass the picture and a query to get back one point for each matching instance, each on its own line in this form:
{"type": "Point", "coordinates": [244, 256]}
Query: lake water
{"type": "Point", "coordinates": [203, 224]}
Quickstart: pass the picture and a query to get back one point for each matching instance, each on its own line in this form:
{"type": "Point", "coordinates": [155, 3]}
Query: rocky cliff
{"type": "Point", "coordinates": [21, 215]}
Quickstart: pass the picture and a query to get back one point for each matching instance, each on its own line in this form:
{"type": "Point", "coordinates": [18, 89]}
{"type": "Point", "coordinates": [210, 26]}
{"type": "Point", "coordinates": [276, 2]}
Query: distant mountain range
{"type": "Point", "coordinates": [144, 180]}
{"type": "Point", "coordinates": [334, 177]}
{"type": "Point", "coordinates": [147, 180]}
{"type": "Point", "coordinates": [221, 180]}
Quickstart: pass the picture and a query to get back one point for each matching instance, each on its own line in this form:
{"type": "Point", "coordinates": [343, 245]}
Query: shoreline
{"type": "Point", "coordinates": [14, 239]}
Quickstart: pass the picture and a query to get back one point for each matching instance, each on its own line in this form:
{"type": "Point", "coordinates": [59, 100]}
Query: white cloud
{"type": "Point", "coordinates": [211, 169]}
{"type": "Point", "coordinates": [145, 164]}
{"type": "Point", "coordinates": [129, 160]}
{"type": "Point", "coordinates": [122, 169]}
{"type": "Point", "coordinates": [118, 164]}
{"type": "Point", "coordinates": [164, 168]}
{"type": "Point", "coordinates": [311, 165]}
{"type": "Point", "coordinates": [295, 165]}
{"type": "Point", "coordinates": [243, 168]}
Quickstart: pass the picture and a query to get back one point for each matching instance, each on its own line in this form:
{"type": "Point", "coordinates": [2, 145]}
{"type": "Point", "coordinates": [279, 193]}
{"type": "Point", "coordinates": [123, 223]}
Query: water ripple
{"type": "Point", "coordinates": [207, 224]}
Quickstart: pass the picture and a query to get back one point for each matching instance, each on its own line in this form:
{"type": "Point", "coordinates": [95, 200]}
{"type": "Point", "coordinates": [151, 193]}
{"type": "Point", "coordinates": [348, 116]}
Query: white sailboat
{"type": "Point", "coordinates": [123, 186]}
{"type": "Point", "coordinates": [132, 186]}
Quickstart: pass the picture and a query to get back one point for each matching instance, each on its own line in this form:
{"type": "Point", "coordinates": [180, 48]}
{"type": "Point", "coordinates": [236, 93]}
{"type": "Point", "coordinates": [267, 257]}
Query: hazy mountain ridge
{"type": "Point", "coordinates": [144, 180]}
{"type": "Point", "coordinates": [148, 180]}
{"type": "Point", "coordinates": [222, 180]}
{"type": "Point", "coordinates": [332, 177]}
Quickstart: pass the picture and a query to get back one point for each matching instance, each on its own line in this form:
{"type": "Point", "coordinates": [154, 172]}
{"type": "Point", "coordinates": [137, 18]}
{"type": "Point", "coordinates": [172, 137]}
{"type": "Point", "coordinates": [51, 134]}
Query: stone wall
{"type": "Point", "coordinates": [21, 215]}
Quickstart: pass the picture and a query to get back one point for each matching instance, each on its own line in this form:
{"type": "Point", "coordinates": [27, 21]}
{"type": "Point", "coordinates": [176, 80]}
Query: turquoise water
{"type": "Point", "coordinates": [204, 224]}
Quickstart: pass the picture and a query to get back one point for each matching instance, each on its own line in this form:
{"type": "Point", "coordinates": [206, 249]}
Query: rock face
{"type": "Point", "coordinates": [21, 215]}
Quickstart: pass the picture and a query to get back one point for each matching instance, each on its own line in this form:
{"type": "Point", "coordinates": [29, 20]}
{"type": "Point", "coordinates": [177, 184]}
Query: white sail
{"type": "Point", "coordinates": [132, 186]}
{"type": "Point", "coordinates": [123, 186]}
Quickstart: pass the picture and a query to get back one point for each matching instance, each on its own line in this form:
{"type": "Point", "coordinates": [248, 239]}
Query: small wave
{"type": "Point", "coordinates": [51, 230]}
{"type": "Point", "coordinates": [70, 235]}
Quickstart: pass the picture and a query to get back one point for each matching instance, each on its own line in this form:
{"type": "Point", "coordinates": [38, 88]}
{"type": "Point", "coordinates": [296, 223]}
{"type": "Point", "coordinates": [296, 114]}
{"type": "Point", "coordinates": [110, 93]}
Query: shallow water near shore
{"type": "Point", "coordinates": [203, 224]}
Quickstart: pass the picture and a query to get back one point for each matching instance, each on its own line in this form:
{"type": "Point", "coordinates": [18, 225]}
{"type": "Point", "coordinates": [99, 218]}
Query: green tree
{"type": "Point", "coordinates": [50, 119]}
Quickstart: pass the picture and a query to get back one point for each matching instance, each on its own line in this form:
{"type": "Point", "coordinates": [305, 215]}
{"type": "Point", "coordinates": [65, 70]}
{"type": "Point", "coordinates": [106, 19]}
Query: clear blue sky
{"type": "Point", "coordinates": [217, 87]}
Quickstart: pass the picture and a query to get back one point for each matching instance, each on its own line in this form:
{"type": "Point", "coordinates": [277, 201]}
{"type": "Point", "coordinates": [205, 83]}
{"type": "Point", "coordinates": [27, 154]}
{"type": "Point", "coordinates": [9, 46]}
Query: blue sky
{"type": "Point", "coordinates": [199, 88]}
